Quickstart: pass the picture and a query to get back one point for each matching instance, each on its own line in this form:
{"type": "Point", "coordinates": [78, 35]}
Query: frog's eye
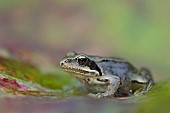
{"type": "Point", "coordinates": [82, 61]}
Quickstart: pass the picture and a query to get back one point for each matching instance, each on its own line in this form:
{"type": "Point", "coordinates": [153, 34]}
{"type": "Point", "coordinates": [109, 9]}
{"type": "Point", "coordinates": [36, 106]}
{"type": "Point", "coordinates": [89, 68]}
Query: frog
{"type": "Point", "coordinates": [107, 76]}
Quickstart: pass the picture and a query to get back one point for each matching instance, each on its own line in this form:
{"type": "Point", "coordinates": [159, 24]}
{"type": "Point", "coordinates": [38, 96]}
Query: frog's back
{"type": "Point", "coordinates": [116, 67]}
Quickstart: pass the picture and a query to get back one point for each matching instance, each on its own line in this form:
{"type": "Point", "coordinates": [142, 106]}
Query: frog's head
{"type": "Point", "coordinates": [80, 64]}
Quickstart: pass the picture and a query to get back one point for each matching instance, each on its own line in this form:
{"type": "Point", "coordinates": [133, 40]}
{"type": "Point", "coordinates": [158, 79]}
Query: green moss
{"type": "Point", "coordinates": [29, 72]}
{"type": "Point", "coordinates": [158, 99]}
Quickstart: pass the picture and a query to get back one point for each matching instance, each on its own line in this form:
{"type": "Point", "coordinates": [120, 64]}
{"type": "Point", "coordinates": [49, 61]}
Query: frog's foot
{"type": "Point", "coordinates": [144, 90]}
{"type": "Point", "coordinates": [99, 95]}
{"type": "Point", "coordinates": [139, 92]}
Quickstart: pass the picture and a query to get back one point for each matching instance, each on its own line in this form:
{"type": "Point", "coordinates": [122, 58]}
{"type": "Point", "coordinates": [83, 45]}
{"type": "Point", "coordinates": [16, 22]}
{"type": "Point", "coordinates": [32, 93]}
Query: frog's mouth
{"type": "Point", "coordinates": [81, 72]}
{"type": "Point", "coordinates": [78, 70]}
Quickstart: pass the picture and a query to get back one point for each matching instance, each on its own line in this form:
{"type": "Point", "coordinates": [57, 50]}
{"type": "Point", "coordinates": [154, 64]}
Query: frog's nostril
{"type": "Point", "coordinates": [61, 64]}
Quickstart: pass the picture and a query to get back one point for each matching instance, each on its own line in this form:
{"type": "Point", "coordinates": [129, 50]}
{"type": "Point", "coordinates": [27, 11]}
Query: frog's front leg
{"type": "Point", "coordinates": [112, 83]}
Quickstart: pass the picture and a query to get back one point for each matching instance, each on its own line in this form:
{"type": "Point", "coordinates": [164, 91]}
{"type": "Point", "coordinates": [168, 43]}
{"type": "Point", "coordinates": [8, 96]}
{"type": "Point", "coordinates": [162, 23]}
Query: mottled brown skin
{"type": "Point", "coordinates": [107, 76]}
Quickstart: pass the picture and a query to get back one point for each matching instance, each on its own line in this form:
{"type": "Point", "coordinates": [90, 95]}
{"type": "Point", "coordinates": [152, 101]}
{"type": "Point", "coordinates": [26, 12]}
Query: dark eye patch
{"type": "Point", "coordinates": [87, 62]}
{"type": "Point", "coordinates": [92, 65]}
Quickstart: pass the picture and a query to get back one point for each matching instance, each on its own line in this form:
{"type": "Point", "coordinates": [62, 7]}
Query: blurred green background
{"type": "Point", "coordinates": [137, 30]}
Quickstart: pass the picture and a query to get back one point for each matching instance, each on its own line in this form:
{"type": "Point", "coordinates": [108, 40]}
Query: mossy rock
{"type": "Point", "coordinates": [17, 71]}
{"type": "Point", "coordinates": [157, 99]}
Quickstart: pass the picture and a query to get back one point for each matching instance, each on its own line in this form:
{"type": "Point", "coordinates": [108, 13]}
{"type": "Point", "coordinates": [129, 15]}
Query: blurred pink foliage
{"type": "Point", "coordinates": [12, 84]}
